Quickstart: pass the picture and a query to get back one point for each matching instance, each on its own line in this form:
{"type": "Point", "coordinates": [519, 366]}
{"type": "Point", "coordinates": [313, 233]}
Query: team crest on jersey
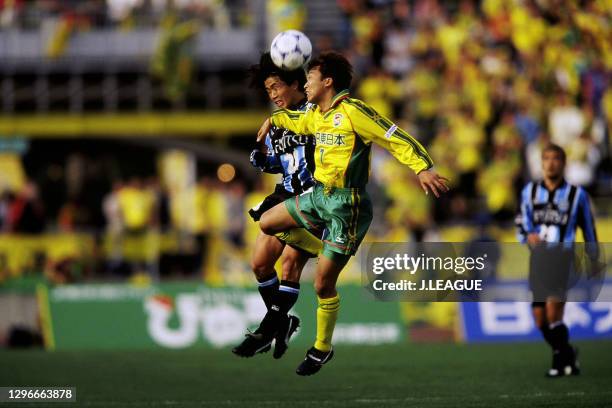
{"type": "Point", "coordinates": [337, 119]}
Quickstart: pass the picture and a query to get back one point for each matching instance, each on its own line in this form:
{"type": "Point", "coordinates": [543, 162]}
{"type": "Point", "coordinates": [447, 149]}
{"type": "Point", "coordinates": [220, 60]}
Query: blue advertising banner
{"type": "Point", "coordinates": [512, 320]}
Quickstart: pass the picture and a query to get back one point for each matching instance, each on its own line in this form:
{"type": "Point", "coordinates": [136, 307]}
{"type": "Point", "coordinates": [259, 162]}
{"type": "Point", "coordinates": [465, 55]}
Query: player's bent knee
{"type": "Point", "coordinates": [266, 224]}
{"type": "Point", "coordinates": [260, 269]}
{"type": "Point", "coordinates": [325, 290]}
{"type": "Point", "coordinates": [276, 219]}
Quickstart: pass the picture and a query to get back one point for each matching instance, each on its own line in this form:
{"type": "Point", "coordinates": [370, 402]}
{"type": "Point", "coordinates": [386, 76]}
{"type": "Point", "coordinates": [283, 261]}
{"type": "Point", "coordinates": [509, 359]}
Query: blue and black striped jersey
{"type": "Point", "coordinates": [292, 155]}
{"type": "Point", "coordinates": [555, 215]}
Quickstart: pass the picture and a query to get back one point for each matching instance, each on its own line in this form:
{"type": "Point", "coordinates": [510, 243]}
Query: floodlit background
{"type": "Point", "coordinates": [126, 125]}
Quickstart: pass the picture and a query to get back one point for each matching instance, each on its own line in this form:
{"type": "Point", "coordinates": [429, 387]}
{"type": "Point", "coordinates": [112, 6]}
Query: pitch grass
{"type": "Point", "coordinates": [432, 375]}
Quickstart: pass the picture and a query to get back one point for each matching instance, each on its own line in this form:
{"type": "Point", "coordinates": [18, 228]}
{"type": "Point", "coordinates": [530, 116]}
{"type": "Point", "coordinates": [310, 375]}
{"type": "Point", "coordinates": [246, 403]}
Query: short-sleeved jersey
{"type": "Point", "coordinates": [344, 135]}
{"type": "Point", "coordinates": [555, 215]}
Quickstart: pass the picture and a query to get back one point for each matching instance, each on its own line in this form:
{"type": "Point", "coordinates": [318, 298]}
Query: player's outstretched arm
{"type": "Point", "coordinates": [374, 127]}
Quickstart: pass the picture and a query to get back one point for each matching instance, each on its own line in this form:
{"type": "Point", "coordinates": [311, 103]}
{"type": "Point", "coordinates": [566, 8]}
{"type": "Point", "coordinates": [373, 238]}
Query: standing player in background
{"type": "Point", "coordinates": [344, 129]}
{"type": "Point", "coordinates": [291, 155]}
{"type": "Point", "coordinates": [551, 212]}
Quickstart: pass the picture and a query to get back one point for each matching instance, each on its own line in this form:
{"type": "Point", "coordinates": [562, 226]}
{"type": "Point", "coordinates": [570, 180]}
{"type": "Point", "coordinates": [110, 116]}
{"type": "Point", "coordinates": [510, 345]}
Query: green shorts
{"type": "Point", "coordinates": [344, 214]}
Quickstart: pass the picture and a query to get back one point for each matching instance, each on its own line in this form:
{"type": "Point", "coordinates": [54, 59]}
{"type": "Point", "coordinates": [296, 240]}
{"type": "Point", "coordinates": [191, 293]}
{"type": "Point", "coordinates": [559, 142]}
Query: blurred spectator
{"type": "Point", "coordinates": [191, 219]}
{"type": "Point", "coordinates": [26, 213]}
{"type": "Point", "coordinates": [469, 138]}
{"type": "Point", "coordinates": [565, 121]}
{"type": "Point", "coordinates": [506, 135]}
{"type": "Point", "coordinates": [234, 196]}
{"type": "Point", "coordinates": [136, 205]}
{"type": "Point", "coordinates": [119, 10]}
{"type": "Point", "coordinates": [380, 90]}
{"type": "Point", "coordinates": [6, 200]}
{"type": "Point", "coordinates": [397, 58]}
{"type": "Point", "coordinates": [285, 15]}
{"type": "Point", "coordinates": [497, 181]}
{"type": "Point", "coordinates": [533, 155]}
{"type": "Point", "coordinates": [139, 244]}
{"type": "Point", "coordinates": [583, 156]}
{"type": "Point", "coordinates": [595, 81]}
{"type": "Point", "coordinates": [527, 125]}
{"type": "Point", "coordinates": [71, 215]}
{"type": "Point", "coordinates": [114, 227]}
{"type": "Point", "coordinates": [324, 43]}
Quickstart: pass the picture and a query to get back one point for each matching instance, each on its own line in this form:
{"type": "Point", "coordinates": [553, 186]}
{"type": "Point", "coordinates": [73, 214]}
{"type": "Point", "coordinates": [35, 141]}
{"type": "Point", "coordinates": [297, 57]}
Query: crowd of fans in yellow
{"type": "Point", "coordinates": [486, 85]}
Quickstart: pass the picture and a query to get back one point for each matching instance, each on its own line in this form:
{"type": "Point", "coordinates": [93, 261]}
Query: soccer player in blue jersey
{"type": "Point", "coordinates": [290, 155]}
{"type": "Point", "coordinates": [551, 212]}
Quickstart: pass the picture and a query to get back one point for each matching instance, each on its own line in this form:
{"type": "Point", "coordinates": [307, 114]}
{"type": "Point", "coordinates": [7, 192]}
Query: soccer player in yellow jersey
{"type": "Point", "coordinates": [344, 129]}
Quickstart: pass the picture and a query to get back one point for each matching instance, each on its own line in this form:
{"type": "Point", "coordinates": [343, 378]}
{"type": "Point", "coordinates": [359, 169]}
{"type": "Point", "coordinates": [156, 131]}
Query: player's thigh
{"type": "Point", "coordinates": [327, 274]}
{"type": "Point", "coordinates": [266, 252]}
{"type": "Point", "coordinates": [277, 219]}
{"type": "Point", "coordinates": [294, 261]}
{"type": "Point", "coordinates": [349, 218]}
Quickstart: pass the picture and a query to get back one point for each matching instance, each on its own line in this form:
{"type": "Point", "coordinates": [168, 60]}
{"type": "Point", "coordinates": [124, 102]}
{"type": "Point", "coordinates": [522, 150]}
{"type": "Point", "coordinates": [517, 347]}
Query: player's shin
{"type": "Point", "coordinates": [282, 301]}
{"type": "Point", "coordinates": [287, 295]}
{"type": "Point", "coordinates": [559, 336]}
{"type": "Point", "coordinates": [268, 288]}
{"type": "Point", "coordinates": [547, 334]}
{"type": "Point", "coordinates": [285, 324]}
{"type": "Point", "coordinates": [327, 314]}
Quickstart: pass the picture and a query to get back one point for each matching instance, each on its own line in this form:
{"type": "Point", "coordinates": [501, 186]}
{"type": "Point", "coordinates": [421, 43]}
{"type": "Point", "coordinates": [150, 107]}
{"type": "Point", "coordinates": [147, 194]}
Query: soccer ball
{"type": "Point", "coordinates": [290, 50]}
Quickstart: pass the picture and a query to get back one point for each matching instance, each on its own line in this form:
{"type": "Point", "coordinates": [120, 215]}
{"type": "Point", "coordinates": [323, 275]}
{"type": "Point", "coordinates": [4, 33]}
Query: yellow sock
{"type": "Point", "coordinates": [327, 313]}
{"type": "Point", "coordinates": [303, 239]}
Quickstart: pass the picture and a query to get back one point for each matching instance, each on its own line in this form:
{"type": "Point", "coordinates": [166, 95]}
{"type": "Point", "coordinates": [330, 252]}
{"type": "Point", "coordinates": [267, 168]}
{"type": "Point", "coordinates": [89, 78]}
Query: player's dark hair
{"type": "Point", "coordinates": [335, 66]}
{"type": "Point", "coordinates": [265, 69]}
{"type": "Point", "coordinates": [551, 147]}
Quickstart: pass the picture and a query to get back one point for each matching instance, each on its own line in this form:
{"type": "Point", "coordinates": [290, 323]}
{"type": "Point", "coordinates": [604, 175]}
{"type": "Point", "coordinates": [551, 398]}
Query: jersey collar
{"type": "Point", "coordinates": [340, 96]}
{"type": "Point", "coordinates": [560, 186]}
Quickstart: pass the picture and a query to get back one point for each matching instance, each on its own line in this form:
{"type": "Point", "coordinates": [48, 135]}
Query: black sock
{"type": "Point", "coordinates": [286, 296]}
{"type": "Point", "coordinates": [559, 336]}
{"type": "Point", "coordinates": [268, 288]}
{"type": "Point", "coordinates": [282, 302]}
{"type": "Point", "coordinates": [546, 333]}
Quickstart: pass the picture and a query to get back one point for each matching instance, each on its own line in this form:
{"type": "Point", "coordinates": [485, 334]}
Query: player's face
{"type": "Point", "coordinates": [279, 92]}
{"type": "Point", "coordinates": [314, 85]}
{"type": "Point", "coordinates": [552, 165]}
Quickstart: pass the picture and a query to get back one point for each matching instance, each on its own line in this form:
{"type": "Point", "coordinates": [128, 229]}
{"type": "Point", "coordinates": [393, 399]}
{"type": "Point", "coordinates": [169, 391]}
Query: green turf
{"type": "Point", "coordinates": [433, 375]}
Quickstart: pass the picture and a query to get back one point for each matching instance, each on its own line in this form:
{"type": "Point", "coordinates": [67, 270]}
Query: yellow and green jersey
{"type": "Point", "coordinates": [344, 136]}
